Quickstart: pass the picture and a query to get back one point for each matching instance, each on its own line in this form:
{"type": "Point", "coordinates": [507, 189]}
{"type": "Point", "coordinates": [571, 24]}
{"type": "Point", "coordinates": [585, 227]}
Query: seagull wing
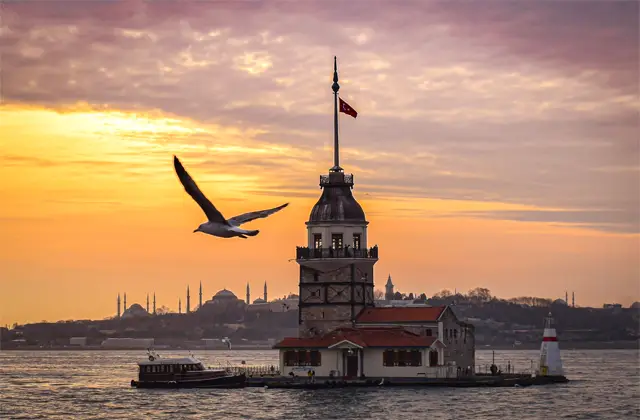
{"type": "Point", "coordinates": [247, 217]}
{"type": "Point", "coordinates": [192, 189]}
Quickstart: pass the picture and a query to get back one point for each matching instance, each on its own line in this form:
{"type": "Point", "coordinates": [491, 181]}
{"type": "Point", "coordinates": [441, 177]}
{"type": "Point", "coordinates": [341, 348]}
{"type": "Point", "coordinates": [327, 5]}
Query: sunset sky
{"type": "Point", "coordinates": [496, 145]}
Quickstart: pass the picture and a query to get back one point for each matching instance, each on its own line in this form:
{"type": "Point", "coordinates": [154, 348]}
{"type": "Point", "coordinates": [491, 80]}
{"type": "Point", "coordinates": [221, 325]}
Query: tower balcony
{"type": "Point", "coordinates": [306, 253]}
{"type": "Point", "coordinates": [336, 179]}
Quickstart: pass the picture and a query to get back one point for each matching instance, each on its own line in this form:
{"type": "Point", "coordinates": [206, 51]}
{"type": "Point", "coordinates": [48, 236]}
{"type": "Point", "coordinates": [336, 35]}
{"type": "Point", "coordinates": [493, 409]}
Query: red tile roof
{"type": "Point", "coordinates": [363, 337]}
{"type": "Point", "coordinates": [400, 314]}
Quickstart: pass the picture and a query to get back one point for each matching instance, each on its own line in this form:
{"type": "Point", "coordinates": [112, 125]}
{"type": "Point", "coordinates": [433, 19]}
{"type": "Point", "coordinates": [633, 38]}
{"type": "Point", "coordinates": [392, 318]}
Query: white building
{"type": "Point", "coordinates": [373, 352]}
{"type": "Point", "coordinates": [128, 343]}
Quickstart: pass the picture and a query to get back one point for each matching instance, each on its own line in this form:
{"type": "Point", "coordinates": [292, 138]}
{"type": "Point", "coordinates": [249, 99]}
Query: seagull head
{"type": "Point", "coordinates": [197, 229]}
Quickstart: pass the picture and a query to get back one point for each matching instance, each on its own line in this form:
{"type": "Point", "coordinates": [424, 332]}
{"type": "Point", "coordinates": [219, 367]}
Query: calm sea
{"type": "Point", "coordinates": [95, 384]}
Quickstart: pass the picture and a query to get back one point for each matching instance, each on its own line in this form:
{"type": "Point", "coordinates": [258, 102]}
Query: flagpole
{"type": "Point", "coordinates": [336, 149]}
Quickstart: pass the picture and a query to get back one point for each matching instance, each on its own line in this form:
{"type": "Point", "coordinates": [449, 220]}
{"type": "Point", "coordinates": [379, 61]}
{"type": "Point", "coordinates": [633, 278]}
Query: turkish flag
{"type": "Point", "coordinates": [344, 107]}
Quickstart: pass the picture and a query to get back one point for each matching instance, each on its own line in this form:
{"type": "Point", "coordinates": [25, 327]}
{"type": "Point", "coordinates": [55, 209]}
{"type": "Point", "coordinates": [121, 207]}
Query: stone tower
{"type": "Point", "coordinates": [248, 294]}
{"type": "Point", "coordinates": [336, 267]}
{"type": "Point", "coordinates": [265, 291]}
{"type": "Point", "coordinates": [389, 293]}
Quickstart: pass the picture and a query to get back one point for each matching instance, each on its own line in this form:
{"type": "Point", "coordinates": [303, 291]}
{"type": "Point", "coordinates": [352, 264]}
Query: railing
{"type": "Point", "coordinates": [255, 371]}
{"type": "Point", "coordinates": [306, 253]}
{"type": "Point", "coordinates": [326, 180]}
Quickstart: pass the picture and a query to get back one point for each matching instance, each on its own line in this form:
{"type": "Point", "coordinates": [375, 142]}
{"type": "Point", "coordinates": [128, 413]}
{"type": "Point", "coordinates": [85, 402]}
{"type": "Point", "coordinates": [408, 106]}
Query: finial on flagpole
{"type": "Point", "coordinates": [336, 147]}
{"type": "Point", "coordinates": [335, 85]}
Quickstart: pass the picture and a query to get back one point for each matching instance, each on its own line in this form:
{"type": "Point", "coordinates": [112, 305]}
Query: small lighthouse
{"type": "Point", "coordinates": [550, 362]}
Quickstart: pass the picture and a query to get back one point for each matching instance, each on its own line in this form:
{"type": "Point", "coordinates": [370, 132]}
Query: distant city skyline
{"type": "Point", "coordinates": [496, 146]}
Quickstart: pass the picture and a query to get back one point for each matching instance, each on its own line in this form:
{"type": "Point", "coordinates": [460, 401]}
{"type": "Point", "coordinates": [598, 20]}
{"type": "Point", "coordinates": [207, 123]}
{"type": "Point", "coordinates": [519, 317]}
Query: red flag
{"type": "Point", "coordinates": [344, 107]}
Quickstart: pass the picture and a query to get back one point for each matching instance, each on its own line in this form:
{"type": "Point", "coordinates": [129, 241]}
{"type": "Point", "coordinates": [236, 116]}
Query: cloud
{"type": "Point", "coordinates": [515, 102]}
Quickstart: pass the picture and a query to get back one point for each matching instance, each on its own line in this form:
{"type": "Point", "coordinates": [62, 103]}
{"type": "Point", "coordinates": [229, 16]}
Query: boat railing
{"type": "Point", "coordinates": [256, 370]}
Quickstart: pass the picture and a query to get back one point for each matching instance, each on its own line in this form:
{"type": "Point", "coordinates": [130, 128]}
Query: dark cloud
{"type": "Point", "coordinates": [520, 102]}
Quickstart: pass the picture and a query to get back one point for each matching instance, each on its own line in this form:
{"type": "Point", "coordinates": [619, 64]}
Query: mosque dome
{"type": "Point", "coordinates": [337, 203]}
{"type": "Point", "coordinates": [224, 294]}
{"type": "Point", "coordinates": [259, 300]}
{"type": "Point", "coordinates": [134, 310]}
{"type": "Point", "coordinates": [635, 305]}
{"type": "Point", "coordinates": [560, 302]}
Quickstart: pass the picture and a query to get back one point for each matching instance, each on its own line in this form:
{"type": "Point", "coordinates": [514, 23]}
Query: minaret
{"type": "Point", "coordinates": [265, 291]}
{"type": "Point", "coordinates": [550, 361]}
{"type": "Point", "coordinates": [118, 305]}
{"type": "Point", "coordinates": [148, 303]}
{"type": "Point", "coordinates": [154, 303]}
{"type": "Point", "coordinates": [179, 305]}
{"type": "Point", "coordinates": [188, 301]}
{"type": "Point", "coordinates": [573, 299]}
{"type": "Point", "coordinates": [248, 294]}
{"type": "Point", "coordinates": [388, 289]}
{"type": "Point", "coordinates": [566, 297]}
{"type": "Point", "coordinates": [200, 300]}
{"type": "Point", "coordinates": [336, 267]}
{"type": "Point", "coordinates": [125, 302]}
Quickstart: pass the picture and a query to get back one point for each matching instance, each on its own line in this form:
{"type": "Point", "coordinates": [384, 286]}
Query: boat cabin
{"type": "Point", "coordinates": [157, 369]}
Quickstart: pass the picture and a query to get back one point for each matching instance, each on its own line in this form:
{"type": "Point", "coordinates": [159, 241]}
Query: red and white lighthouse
{"type": "Point", "coordinates": [550, 361]}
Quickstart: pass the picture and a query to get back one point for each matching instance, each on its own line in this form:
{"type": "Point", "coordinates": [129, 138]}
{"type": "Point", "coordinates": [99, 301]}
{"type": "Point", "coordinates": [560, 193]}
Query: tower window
{"type": "Point", "coordinates": [356, 241]}
{"type": "Point", "coordinates": [336, 240]}
{"type": "Point", "coordinates": [317, 240]}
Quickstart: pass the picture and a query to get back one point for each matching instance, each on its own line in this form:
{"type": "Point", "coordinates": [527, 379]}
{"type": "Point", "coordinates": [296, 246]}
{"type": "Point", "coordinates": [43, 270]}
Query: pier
{"type": "Point", "coordinates": [270, 377]}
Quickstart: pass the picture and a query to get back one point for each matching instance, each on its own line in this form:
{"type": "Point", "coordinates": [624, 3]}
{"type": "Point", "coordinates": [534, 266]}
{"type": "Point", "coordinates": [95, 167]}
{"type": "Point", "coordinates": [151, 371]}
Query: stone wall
{"type": "Point", "coordinates": [459, 338]}
{"type": "Point", "coordinates": [332, 293]}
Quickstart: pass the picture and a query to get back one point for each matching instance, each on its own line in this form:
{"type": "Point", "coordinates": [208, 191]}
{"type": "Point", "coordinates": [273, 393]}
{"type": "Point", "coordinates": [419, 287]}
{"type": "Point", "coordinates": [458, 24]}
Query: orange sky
{"type": "Point", "coordinates": [90, 213]}
{"type": "Point", "coordinates": [496, 146]}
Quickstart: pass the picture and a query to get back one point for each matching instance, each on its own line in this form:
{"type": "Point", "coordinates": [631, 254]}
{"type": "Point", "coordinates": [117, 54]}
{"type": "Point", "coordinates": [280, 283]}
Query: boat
{"type": "Point", "coordinates": [183, 372]}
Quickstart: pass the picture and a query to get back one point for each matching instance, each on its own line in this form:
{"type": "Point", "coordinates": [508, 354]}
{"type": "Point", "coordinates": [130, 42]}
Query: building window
{"type": "Point", "coordinates": [402, 358]}
{"type": "Point", "coordinates": [429, 332]}
{"type": "Point", "coordinates": [302, 358]}
{"type": "Point", "coordinates": [356, 241]}
{"type": "Point", "coordinates": [455, 334]}
{"type": "Point", "coordinates": [317, 240]}
{"type": "Point", "coordinates": [336, 240]}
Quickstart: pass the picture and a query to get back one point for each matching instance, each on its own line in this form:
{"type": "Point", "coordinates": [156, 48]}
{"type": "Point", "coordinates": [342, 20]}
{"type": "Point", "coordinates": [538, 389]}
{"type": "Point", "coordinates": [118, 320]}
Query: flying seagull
{"type": "Point", "coordinates": [217, 225]}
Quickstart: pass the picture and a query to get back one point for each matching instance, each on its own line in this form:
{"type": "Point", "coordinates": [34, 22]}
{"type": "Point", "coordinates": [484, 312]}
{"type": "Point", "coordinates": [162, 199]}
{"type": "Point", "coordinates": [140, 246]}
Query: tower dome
{"type": "Point", "coordinates": [337, 203]}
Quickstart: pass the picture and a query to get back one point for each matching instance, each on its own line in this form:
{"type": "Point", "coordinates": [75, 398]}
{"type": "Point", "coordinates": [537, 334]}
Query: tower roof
{"type": "Point", "coordinates": [337, 203]}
